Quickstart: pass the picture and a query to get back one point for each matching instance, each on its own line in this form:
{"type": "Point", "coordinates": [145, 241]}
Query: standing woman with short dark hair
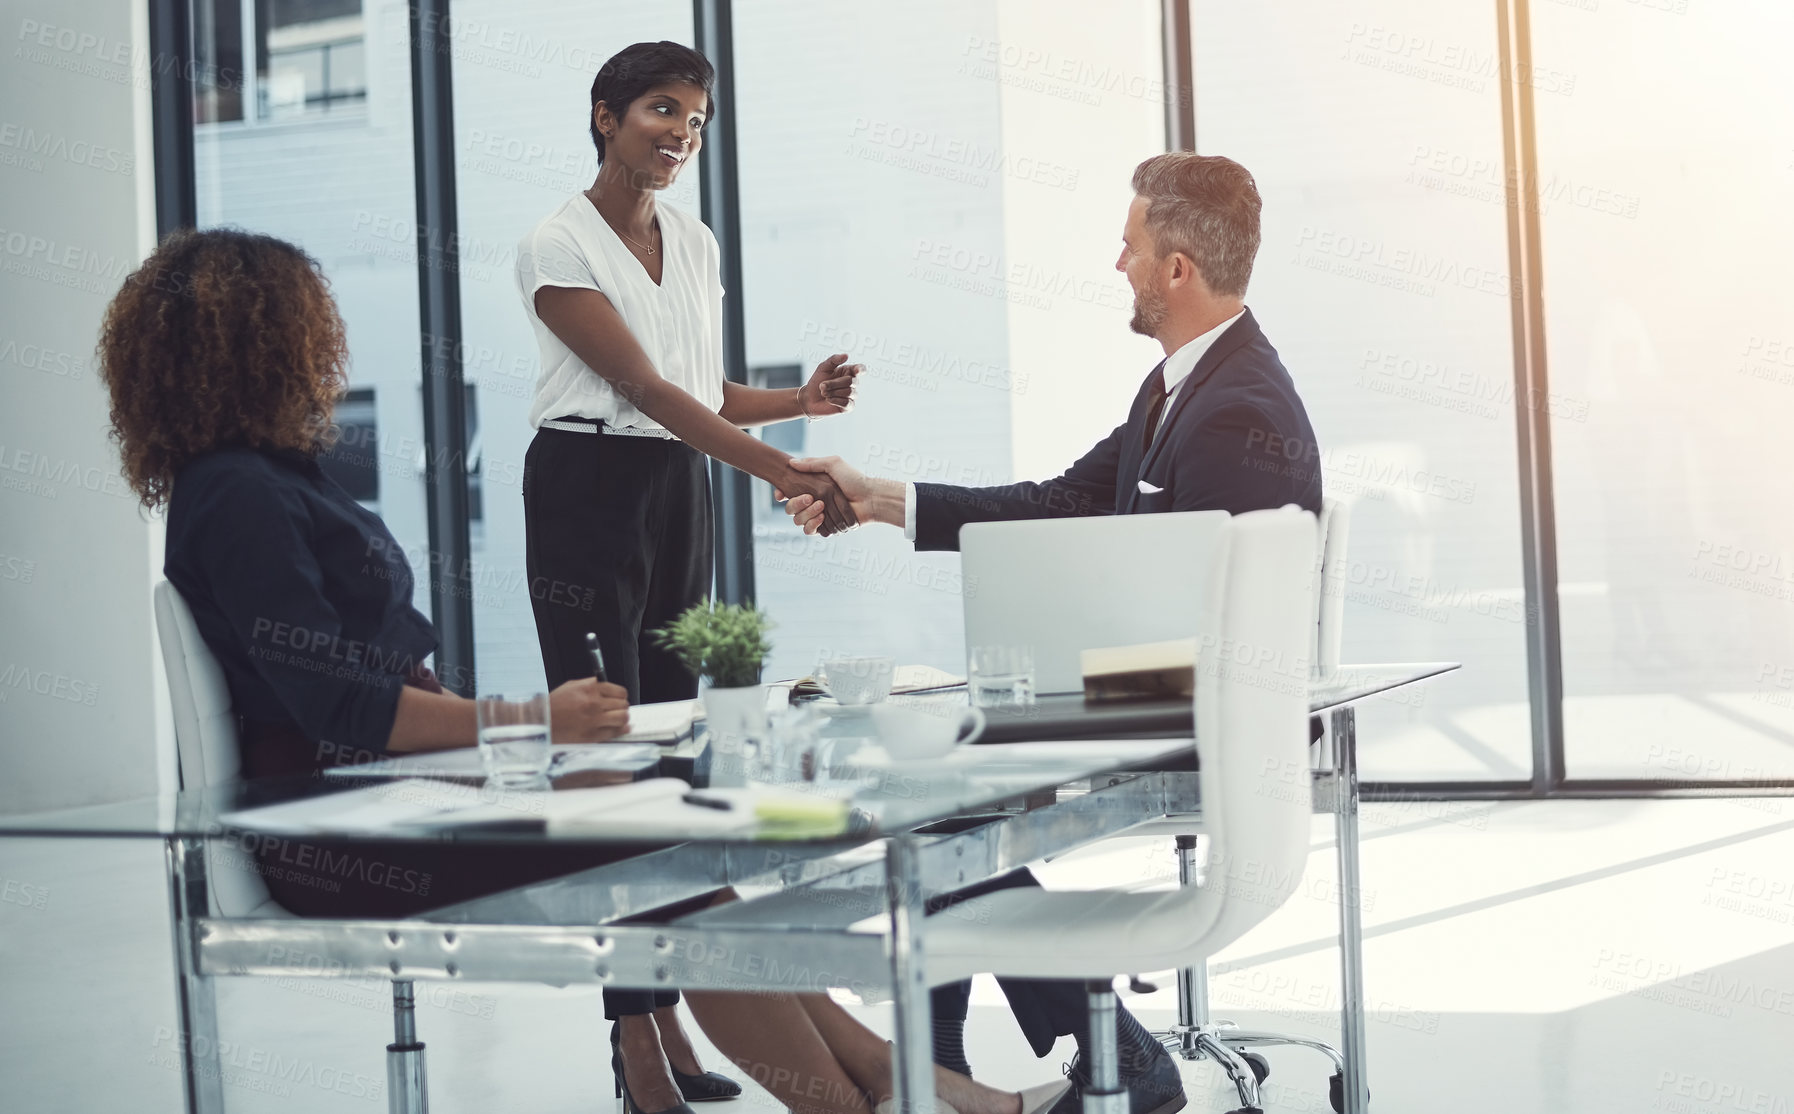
{"type": "Point", "coordinates": [625, 297]}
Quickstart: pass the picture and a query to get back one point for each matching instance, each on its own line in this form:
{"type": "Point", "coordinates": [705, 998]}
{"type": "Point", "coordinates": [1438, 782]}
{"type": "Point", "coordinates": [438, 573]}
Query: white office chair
{"type": "Point", "coordinates": [1251, 719]}
{"type": "Point", "coordinates": [1195, 1035]}
{"type": "Point", "coordinates": [205, 735]}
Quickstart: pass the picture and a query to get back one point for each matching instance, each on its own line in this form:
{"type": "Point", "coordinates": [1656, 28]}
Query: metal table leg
{"type": "Point", "coordinates": [407, 1089]}
{"type": "Point", "coordinates": [195, 999]}
{"type": "Point", "coordinates": [912, 1073]}
{"type": "Point", "coordinates": [1351, 923]}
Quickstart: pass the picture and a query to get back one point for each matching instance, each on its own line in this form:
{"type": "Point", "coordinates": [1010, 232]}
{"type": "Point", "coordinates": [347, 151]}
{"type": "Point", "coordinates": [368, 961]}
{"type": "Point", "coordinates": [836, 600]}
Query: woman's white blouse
{"type": "Point", "coordinates": [678, 323]}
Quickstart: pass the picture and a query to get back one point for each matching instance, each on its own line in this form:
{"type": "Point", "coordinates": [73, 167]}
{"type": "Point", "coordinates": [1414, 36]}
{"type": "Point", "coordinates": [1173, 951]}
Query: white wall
{"type": "Point", "coordinates": [82, 710]}
{"type": "Point", "coordinates": [81, 700]}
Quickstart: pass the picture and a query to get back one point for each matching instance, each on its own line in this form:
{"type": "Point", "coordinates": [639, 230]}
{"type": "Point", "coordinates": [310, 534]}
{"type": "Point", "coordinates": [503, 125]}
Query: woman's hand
{"type": "Point", "coordinates": [831, 388]}
{"type": "Point", "coordinates": [588, 711]}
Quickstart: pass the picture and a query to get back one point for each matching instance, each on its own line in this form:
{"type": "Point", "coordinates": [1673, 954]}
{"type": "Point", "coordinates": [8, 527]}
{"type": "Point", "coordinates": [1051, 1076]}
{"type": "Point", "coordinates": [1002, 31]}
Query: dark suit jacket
{"type": "Point", "coordinates": [1235, 438]}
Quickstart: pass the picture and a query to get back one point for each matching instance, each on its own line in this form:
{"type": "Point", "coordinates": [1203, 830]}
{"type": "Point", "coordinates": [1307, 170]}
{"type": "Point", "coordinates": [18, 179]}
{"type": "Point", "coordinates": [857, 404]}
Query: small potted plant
{"type": "Point", "coordinates": [727, 645]}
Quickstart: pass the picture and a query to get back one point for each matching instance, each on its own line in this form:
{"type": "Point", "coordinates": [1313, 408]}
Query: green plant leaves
{"type": "Point", "coordinates": [725, 642]}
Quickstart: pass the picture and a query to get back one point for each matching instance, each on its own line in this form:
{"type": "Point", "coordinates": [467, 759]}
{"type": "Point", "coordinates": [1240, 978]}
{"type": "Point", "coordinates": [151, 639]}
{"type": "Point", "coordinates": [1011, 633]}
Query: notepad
{"type": "Point", "coordinates": [654, 810]}
{"type": "Point", "coordinates": [665, 723]}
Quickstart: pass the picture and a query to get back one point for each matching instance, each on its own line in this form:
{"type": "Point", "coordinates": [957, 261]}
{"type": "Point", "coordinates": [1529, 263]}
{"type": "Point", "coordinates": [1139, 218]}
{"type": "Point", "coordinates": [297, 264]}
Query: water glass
{"type": "Point", "coordinates": [514, 740]}
{"type": "Point", "coordinates": [786, 751]}
{"type": "Point", "coordinates": [1000, 676]}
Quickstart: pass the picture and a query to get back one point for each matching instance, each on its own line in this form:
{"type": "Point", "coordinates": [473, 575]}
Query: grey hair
{"type": "Point", "coordinates": [1207, 207]}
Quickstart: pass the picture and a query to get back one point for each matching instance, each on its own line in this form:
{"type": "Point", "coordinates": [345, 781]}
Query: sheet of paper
{"type": "Point", "coordinates": [466, 762]}
{"type": "Point", "coordinates": [377, 808]}
{"type": "Point", "coordinates": [649, 812]}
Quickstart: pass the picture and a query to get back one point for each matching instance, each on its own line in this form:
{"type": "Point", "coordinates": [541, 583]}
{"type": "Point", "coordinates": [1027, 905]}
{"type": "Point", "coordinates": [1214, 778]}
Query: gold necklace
{"type": "Point", "coordinates": [619, 231]}
{"type": "Point", "coordinates": [632, 240]}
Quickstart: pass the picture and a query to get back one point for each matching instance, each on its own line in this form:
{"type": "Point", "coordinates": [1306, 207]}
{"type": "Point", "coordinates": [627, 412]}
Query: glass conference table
{"type": "Point", "coordinates": [799, 924]}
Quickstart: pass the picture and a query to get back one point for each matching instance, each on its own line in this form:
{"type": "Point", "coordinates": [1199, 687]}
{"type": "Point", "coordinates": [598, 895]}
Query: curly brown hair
{"type": "Point", "coordinates": [222, 337]}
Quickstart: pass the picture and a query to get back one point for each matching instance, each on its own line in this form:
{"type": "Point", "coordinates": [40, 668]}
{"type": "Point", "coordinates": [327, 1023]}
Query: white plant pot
{"type": "Point", "coordinates": [734, 719]}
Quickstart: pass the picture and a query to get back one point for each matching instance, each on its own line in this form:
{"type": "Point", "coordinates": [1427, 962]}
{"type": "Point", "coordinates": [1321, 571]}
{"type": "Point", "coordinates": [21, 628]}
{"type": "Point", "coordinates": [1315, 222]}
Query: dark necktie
{"type": "Point", "coordinates": [1154, 405]}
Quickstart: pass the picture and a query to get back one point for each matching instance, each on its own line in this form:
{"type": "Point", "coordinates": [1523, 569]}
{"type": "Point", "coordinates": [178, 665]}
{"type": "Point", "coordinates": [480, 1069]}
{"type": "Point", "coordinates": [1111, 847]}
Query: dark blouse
{"type": "Point", "coordinates": [302, 595]}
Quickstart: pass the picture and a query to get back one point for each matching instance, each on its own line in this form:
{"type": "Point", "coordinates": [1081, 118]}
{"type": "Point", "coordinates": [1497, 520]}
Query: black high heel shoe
{"type": "Point", "coordinates": [704, 1087]}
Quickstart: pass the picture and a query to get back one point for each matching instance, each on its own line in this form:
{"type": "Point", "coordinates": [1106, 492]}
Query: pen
{"type": "Point", "coordinates": [707, 802]}
{"type": "Point", "coordinates": [597, 657]}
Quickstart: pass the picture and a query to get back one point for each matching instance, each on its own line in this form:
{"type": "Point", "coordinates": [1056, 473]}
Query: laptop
{"type": "Point", "coordinates": [1066, 585]}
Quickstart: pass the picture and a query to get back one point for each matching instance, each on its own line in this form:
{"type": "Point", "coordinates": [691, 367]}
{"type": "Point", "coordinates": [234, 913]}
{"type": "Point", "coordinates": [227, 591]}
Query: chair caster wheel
{"type": "Point", "coordinates": [1336, 1092]}
{"type": "Point", "coordinates": [1260, 1066]}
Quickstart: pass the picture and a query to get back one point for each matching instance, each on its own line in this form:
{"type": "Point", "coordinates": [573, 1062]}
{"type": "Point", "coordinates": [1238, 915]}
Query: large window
{"type": "Point", "coordinates": [936, 189]}
{"type": "Point", "coordinates": [1664, 186]}
{"type": "Point", "coordinates": [263, 60]}
{"type": "Point", "coordinates": [523, 77]}
{"type": "Point", "coordinates": [1374, 131]}
{"type": "Point", "coordinates": [346, 195]}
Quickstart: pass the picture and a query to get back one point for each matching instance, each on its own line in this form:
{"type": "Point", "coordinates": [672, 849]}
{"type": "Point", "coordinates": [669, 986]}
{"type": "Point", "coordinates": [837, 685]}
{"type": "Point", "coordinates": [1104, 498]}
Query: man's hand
{"type": "Point", "coordinates": [872, 500]}
{"type": "Point", "coordinates": [827, 508]}
{"type": "Point", "coordinates": [831, 388]}
{"type": "Point", "coordinates": [588, 711]}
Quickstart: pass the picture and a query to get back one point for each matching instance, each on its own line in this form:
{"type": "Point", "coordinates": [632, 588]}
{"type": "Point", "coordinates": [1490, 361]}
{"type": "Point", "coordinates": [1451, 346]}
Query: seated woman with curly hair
{"type": "Point", "coordinates": [225, 356]}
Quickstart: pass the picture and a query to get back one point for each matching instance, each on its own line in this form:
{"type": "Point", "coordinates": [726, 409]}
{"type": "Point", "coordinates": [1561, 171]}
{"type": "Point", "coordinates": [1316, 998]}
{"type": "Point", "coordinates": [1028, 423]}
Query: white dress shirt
{"type": "Point", "coordinates": [1176, 371]}
{"type": "Point", "coordinates": [678, 323]}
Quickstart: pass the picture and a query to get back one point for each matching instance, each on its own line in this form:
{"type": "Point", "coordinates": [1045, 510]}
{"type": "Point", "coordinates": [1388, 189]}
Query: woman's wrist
{"type": "Point", "coordinates": [803, 404]}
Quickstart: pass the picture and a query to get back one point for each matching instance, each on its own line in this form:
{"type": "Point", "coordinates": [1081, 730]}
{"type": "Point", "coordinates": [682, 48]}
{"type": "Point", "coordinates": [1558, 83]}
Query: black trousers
{"type": "Point", "coordinates": [1046, 1009]}
{"type": "Point", "coordinates": [619, 540]}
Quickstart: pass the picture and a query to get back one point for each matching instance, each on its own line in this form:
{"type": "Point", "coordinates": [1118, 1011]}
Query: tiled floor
{"type": "Point", "coordinates": [1573, 956]}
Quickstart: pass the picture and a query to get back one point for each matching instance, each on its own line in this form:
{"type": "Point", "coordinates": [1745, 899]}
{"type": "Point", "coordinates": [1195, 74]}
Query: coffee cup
{"type": "Point", "coordinates": [911, 735]}
{"type": "Point", "coordinates": [856, 681]}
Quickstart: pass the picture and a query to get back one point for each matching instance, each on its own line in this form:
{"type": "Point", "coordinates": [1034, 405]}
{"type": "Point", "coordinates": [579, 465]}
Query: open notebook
{"type": "Point", "coordinates": [905, 679]}
{"type": "Point", "coordinates": [652, 725]}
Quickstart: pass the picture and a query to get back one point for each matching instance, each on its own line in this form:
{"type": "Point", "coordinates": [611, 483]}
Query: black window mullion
{"type": "Point", "coordinates": [439, 325]}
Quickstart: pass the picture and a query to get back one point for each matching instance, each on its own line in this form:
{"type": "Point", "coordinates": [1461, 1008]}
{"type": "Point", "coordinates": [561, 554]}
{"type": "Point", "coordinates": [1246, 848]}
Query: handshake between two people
{"type": "Point", "coordinates": [869, 499]}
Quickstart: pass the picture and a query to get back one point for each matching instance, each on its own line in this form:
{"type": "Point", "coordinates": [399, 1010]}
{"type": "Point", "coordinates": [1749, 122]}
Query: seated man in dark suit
{"type": "Point", "coordinates": [1217, 425]}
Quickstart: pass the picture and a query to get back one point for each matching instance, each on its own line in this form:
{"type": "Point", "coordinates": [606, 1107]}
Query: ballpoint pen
{"type": "Point", "coordinates": [597, 657]}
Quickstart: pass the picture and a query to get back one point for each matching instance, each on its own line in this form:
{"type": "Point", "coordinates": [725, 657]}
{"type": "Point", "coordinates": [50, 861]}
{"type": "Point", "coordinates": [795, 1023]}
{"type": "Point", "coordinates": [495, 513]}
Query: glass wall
{"type": "Point", "coordinates": [299, 157]}
{"type": "Point", "coordinates": [523, 77]}
{"type": "Point", "coordinates": [1373, 129]}
{"type": "Point", "coordinates": [1664, 184]}
{"type": "Point", "coordinates": [936, 189]}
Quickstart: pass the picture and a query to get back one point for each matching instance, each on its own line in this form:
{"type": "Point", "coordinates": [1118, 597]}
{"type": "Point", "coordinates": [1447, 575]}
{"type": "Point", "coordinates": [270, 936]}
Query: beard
{"type": "Point", "coordinates": [1150, 311]}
